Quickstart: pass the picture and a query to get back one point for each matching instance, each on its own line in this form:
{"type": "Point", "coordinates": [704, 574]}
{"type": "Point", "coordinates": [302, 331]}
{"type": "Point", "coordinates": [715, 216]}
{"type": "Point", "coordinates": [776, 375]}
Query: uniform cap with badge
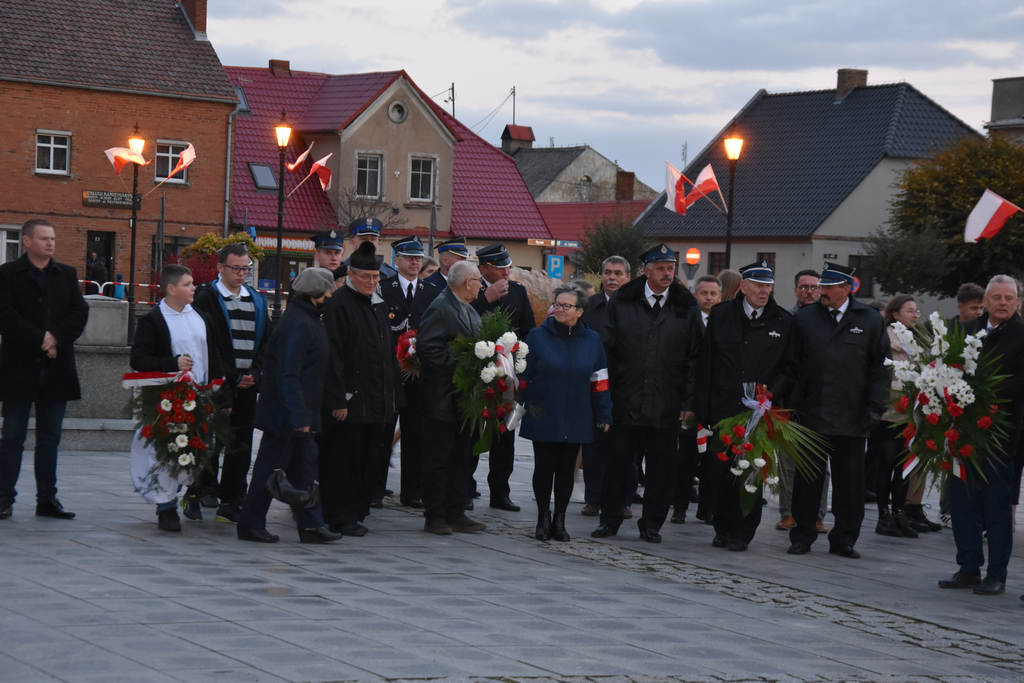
{"type": "Point", "coordinates": [836, 274]}
{"type": "Point", "coordinates": [329, 239]}
{"type": "Point", "coordinates": [365, 225]}
{"type": "Point", "coordinates": [456, 246]}
{"type": "Point", "coordinates": [659, 254]}
{"type": "Point", "coordinates": [494, 255]}
{"type": "Point", "coordinates": [408, 246]}
{"type": "Point", "coordinates": [760, 273]}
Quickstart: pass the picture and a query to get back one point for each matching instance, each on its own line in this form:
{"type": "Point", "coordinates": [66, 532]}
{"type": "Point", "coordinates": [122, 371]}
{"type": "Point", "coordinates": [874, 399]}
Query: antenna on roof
{"type": "Point", "coordinates": [683, 154]}
{"type": "Point", "coordinates": [551, 141]}
{"type": "Point", "coordinates": [451, 98]}
{"type": "Point", "coordinates": [513, 105]}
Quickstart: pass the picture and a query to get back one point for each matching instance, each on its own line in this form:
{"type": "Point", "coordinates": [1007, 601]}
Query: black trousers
{"type": "Point", "coordinates": [847, 462]}
{"type": "Point", "coordinates": [553, 463]}
{"type": "Point", "coordinates": [886, 444]}
{"type": "Point", "coordinates": [595, 455]}
{"type": "Point", "coordinates": [412, 445]}
{"type": "Point", "coordinates": [688, 461]}
{"type": "Point", "coordinates": [349, 469]}
{"type": "Point", "coordinates": [659, 447]}
{"type": "Point", "coordinates": [501, 458]}
{"type": "Point", "coordinates": [237, 452]}
{"type": "Point", "coordinates": [446, 469]}
{"type": "Point", "coordinates": [730, 522]}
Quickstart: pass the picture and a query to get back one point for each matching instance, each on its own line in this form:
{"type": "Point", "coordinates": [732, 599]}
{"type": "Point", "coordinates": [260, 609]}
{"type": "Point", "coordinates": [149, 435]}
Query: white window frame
{"type": "Point", "coordinates": [366, 154]}
{"type": "Point", "coordinates": [9, 234]}
{"type": "Point", "coordinates": [433, 159]}
{"type": "Point", "coordinates": [51, 146]}
{"type": "Point", "coordinates": [176, 148]}
{"type": "Point", "coordinates": [255, 182]}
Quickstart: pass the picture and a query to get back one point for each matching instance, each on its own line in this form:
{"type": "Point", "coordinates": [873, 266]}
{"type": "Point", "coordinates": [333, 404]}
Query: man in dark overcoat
{"type": "Point", "coordinates": [745, 343]}
{"type": "Point", "coordinates": [42, 313]}
{"type": "Point", "coordinates": [647, 337]}
{"type": "Point", "coordinates": [501, 292]}
{"type": "Point", "coordinates": [360, 397]}
{"type": "Point", "coordinates": [840, 390]}
{"type": "Point", "coordinates": [406, 297]}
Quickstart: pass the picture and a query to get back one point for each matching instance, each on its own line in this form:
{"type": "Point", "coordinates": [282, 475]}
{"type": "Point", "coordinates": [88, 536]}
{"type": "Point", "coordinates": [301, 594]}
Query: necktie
{"type": "Point", "coordinates": [835, 315]}
{"type": "Point", "coordinates": [657, 303]}
{"type": "Point", "coordinates": [409, 294]}
{"type": "Point", "coordinates": [753, 315]}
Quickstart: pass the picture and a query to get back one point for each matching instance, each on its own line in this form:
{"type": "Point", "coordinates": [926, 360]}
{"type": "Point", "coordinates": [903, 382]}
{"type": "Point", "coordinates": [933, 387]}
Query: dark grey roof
{"type": "Point", "coordinates": [803, 153]}
{"type": "Point", "coordinates": [540, 166]}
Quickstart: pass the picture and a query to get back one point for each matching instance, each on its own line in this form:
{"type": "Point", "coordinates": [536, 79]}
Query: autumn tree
{"type": "Point", "coordinates": [922, 249]}
{"type": "Point", "coordinates": [608, 237]}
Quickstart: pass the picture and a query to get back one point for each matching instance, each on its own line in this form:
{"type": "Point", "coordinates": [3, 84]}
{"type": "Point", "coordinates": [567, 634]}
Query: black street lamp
{"type": "Point", "coordinates": [136, 143]}
{"type": "Point", "coordinates": [283, 132]}
{"type": "Point", "coordinates": [733, 145]}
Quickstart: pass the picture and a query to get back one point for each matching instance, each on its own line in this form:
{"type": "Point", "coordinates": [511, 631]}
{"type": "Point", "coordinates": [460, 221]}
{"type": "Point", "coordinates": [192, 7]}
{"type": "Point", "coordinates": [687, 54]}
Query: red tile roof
{"type": "Point", "coordinates": [342, 98]}
{"type": "Point", "coordinates": [513, 132]}
{"type": "Point", "coordinates": [569, 220]}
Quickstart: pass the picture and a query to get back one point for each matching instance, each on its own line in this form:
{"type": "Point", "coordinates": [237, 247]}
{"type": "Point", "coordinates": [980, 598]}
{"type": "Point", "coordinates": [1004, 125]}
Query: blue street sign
{"type": "Point", "coordinates": [554, 266]}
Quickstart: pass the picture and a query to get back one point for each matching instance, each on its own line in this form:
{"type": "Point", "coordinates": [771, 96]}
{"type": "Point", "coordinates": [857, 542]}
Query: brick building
{"type": "Point", "coordinates": [75, 79]}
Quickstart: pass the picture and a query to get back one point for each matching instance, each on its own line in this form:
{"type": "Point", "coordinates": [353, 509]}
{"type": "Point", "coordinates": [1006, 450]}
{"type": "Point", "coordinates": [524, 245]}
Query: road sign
{"type": "Point", "coordinates": [555, 264]}
{"type": "Point", "coordinates": [692, 256]}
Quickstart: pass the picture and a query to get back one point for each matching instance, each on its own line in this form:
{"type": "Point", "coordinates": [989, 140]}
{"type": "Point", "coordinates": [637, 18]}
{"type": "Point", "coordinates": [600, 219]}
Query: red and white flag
{"type": "Point", "coordinates": [675, 189]}
{"type": "Point", "coordinates": [298, 160]}
{"type": "Point", "coordinates": [705, 185]}
{"type": "Point", "coordinates": [185, 159]}
{"type": "Point", "coordinates": [322, 172]}
{"type": "Point", "coordinates": [119, 156]}
{"type": "Point", "coordinates": [988, 217]}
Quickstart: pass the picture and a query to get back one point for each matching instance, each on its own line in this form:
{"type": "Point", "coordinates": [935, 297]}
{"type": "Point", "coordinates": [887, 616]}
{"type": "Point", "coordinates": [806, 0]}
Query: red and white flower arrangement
{"type": "Point", "coordinates": [405, 351]}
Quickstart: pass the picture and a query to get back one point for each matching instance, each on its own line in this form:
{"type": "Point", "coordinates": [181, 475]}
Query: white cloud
{"type": "Point", "coordinates": [993, 50]}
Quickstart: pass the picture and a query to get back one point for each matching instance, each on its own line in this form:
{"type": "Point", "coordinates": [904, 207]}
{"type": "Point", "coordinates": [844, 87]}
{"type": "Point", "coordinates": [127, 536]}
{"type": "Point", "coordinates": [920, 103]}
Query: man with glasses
{"type": "Point", "coordinates": [238, 314]}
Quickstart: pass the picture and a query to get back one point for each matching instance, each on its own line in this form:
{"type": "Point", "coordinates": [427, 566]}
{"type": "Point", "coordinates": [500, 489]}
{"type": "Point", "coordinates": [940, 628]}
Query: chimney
{"type": "Point", "coordinates": [195, 10]}
{"type": "Point", "coordinates": [280, 67]}
{"type": "Point", "coordinates": [514, 138]}
{"type": "Point", "coordinates": [624, 181]}
{"type": "Point", "coordinates": [848, 79]}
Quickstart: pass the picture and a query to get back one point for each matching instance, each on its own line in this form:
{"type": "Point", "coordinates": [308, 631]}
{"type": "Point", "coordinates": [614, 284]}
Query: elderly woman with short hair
{"type": "Point", "coordinates": [567, 400]}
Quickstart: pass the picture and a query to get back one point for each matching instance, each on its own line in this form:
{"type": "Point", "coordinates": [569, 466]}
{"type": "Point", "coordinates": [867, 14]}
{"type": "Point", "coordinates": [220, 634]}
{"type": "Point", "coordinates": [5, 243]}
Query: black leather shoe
{"type": "Point", "coordinates": [846, 551]}
{"type": "Point", "coordinates": [168, 520]}
{"type": "Point", "coordinates": [960, 580]}
{"type": "Point", "coordinates": [351, 529]}
{"type": "Point", "coordinates": [5, 510]}
{"type": "Point", "coordinates": [466, 525]}
{"type": "Point", "coordinates": [737, 546]}
{"type": "Point", "coordinates": [53, 508]}
{"type": "Point", "coordinates": [256, 535]}
{"type": "Point", "coordinates": [377, 503]}
{"type": "Point", "coordinates": [543, 531]}
{"type": "Point", "coordinates": [558, 531]}
{"type": "Point", "coordinates": [191, 508]}
{"type": "Point", "coordinates": [990, 586]}
{"type": "Point", "coordinates": [679, 518]}
{"type": "Point", "coordinates": [414, 503]}
{"type": "Point", "coordinates": [438, 526]}
{"type": "Point", "coordinates": [649, 535]}
{"type": "Point", "coordinates": [504, 503]}
{"type": "Point", "coordinates": [604, 531]}
{"type": "Point", "coordinates": [799, 548]}
{"type": "Point", "coordinates": [319, 535]}
{"type": "Point", "coordinates": [719, 542]}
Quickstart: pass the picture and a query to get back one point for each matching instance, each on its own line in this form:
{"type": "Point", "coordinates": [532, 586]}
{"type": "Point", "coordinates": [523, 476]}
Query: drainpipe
{"type": "Point", "coordinates": [227, 175]}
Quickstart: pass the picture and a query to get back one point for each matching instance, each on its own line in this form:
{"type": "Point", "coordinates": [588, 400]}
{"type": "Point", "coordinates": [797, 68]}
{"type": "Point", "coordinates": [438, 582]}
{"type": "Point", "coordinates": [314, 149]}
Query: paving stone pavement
{"type": "Point", "coordinates": [108, 597]}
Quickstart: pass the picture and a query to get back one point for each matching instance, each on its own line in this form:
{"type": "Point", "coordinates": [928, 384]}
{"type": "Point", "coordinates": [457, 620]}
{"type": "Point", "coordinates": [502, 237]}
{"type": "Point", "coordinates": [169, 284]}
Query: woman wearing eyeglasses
{"type": "Point", "coordinates": [567, 399]}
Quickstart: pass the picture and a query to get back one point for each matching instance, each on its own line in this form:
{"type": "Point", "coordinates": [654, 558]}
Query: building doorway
{"type": "Point", "coordinates": [99, 259]}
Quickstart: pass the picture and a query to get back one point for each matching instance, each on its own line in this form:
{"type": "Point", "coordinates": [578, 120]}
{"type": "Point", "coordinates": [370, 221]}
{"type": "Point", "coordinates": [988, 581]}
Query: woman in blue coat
{"type": "Point", "coordinates": [567, 399]}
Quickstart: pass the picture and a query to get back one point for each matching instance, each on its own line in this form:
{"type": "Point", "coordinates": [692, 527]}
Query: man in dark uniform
{"type": "Point", "coordinates": [367, 229]}
{"type": "Point", "coordinates": [329, 248]}
{"type": "Point", "coordinates": [407, 297]}
{"type": "Point", "coordinates": [985, 504]}
{"type": "Point", "coordinates": [360, 396]}
{"type": "Point", "coordinates": [449, 253]}
{"type": "Point", "coordinates": [647, 337]}
{"type": "Point", "coordinates": [840, 390]}
{"type": "Point", "coordinates": [500, 292]}
{"type": "Point", "coordinates": [614, 273]}
{"type": "Point", "coordinates": [745, 343]}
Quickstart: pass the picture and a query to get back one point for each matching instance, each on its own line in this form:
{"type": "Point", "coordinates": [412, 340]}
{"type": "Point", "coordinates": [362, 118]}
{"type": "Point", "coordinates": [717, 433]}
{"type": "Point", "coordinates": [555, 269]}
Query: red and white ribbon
{"type": "Point", "coordinates": [909, 464]}
{"type": "Point", "coordinates": [599, 381]}
{"type": "Point", "coordinates": [703, 433]}
{"type": "Point", "coordinates": [132, 380]}
{"type": "Point", "coordinates": [507, 364]}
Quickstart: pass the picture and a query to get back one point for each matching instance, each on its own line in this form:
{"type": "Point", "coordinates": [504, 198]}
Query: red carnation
{"type": "Point", "coordinates": [933, 419]}
{"type": "Point", "coordinates": [179, 417]}
{"type": "Point", "coordinates": [485, 414]}
{"type": "Point", "coordinates": [195, 442]}
{"type": "Point", "coordinates": [147, 431]}
{"type": "Point", "coordinates": [955, 410]}
{"type": "Point", "coordinates": [726, 439]}
{"type": "Point", "coordinates": [501, 412]}
{"type": "Point", "coordinates": [502, 385]}
{"type": "Point", "coordinates": [903, 404]}
{"type": "Point", "coordinates": [489, 394]}
{"type": "Point", "coordinates": [515, 348]}
{"type": "Point", "coordinates": [922, 398]}
{"type": "Point", "coordinates": [740, 431]}
{"type": "Point", "coordinates": [190, 418]}
{"type": "Point", "coordinates": [167, 395]}
{"type": "Point", "coordinates": [930, 443]}
{"type": "Point", "coordinates": [952, 435]}
{"type": "Point", "coordinates": [748, 446]}
{"type": "Point", "coordinates": [502, 428]}
{"type": "Point", "coordinates": [946, 465]}
{"type": "Point", "coordinates": [190, 395]}
{"type": "Point", "coordinates": [522, 384]}
{"type": "Point", "coordinates": [722, 456]}
{"type": "Point", "coordinates": [737, 450]}
{"type": "Point", "coordinates": [967, 450]}
{"type": "Point", "coordinates": [984, 422]}
{"type": "Point", "coordinates": [910, 431]}
{"type": "Point", "coordinates": [178, 403]}
{"type": "Point", "coordinates": [993, 409]}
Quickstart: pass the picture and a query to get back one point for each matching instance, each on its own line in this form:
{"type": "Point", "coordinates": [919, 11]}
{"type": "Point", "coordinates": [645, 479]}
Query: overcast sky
{"type": "Point", "coordinates": [635, 79]}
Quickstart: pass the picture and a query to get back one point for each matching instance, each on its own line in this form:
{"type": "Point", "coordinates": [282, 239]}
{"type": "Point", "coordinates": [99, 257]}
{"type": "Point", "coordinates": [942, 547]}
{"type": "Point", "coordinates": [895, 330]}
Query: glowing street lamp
{"type": "Point", "coordinates": [283, 132]}
{"type": "Point", "coordinates": [136, 143]}
{"type": "Point", "coordinates": [733, 145]}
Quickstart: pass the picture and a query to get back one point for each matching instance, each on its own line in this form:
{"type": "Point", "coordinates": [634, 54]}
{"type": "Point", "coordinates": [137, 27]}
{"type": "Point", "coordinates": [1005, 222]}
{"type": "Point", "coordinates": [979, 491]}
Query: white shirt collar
{"type": "Point", "coordinates": [227, 293]}
{"type": "Point", "coordinates": [649, 295]}
{"type": "Point", "coordinates": [842, 309]}
{"type": "Point", "coordinates": [405, 283]}
{"type": "Point", "coordinates": [748, 309]}
{"type": "Point", "coordinates": [704, 317]}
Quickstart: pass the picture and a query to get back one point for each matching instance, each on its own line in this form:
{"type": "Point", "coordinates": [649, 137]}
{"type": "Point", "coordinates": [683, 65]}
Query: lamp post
{"type": "Point", "coordinates": [136, 143]}
{"type": "Point", "coordinates": [283, 132]}
{"type": "Point", "coordinates": [733, 145]}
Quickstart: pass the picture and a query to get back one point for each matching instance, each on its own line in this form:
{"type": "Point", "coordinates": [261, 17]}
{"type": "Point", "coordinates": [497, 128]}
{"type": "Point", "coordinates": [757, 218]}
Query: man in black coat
{"type": "Point", "coordinates": [840, 389]}
{"type": "Point", "coordinates": [648, 338]}
{"type": "Point", "coordinates": [42, 313]}
{"type": "Point", "coordinates": [985, 504]}
{"type": "Point", "coordinates": [745, 342]}
{"type": "Point", "coordinates": [500, 292]}
{"type": "Point", "coordinates": [360, 398]}
{"type": "Point", "coordinates": [449, 253]}
{"type": "Point", "coordinates": [406, 297]}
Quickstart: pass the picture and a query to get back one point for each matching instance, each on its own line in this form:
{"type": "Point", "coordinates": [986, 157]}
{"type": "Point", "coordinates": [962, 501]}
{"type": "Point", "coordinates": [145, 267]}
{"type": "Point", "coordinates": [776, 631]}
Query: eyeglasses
{"type": "Point", "coordinates": [808, 288]}
{"type": "Point", "coordinates": [240, 269]}
{"type": "Point", "coordinates": [564, 307]}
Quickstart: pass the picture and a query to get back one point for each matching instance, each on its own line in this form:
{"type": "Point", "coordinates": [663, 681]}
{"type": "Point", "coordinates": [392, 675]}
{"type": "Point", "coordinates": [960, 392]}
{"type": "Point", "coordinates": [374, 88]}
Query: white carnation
{"type": "Point", "coordinates": [736, 471]}
{"type": "Point", "coordinates": [743, 464]}
{"type": "Point", "coordinates": [166, 405]}
{"type": "Point", "coordinates": [508, 340]}
{"type": "Point", "coordinates": [189, 406]}
{"type": "Point", "coordinates": [520, 367]}
{"type": "Point", "coordinates": [522, 350]}
{"type": "Point", "coordinates": [483, 349]}
{"type": "Point", "coordinates": [772, 481]}
{"type": "Point", "coordinates": [488, 374]}
{"type": "Point", "coordinates": [181, 441]}
{"type": "Point", "coordinates": [749, 488]}
{"type": "Point", "coordinates": [760, 462]}
{"type": "Point", "coordinates": [186, 459]}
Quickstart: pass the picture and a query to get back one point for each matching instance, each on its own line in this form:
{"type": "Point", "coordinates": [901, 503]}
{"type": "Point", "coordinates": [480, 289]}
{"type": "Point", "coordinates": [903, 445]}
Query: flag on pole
{"type": "Point", "coordinates": [322, 172]}
{"type": "Point", "coordinates": [988, 217]}
{"type": "Point", "coordinates": [119, 156]}
{"type": "Point", "coordinates": [705, 185]}
{"type": "Point", "coordinates": [675, 189]}
{"type": "Point", "coordinates": [302, 157]}
{"type": "Point", "coordinates": [185, 159]}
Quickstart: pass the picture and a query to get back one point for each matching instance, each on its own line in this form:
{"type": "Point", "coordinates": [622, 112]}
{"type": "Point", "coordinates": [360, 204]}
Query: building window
{"type": "Point", "coordinates": [368, 172]}
{"type": "Point", "coordinates": [864, 271]}
{"type": "Point", "coordinates": [53, 152]}
{"type": "Point", "coordinates": [167, 155]}
{"type": "Point", "coordinates": [767, 256]}
{"type": "Point", "coordinates": [10, 243]}
{"type": "Point", "coordinates": [421, 179]}
{"type": "Point", "coordinates": [716, 262]}
{"type": "Point", "coordinates": [263, 176]}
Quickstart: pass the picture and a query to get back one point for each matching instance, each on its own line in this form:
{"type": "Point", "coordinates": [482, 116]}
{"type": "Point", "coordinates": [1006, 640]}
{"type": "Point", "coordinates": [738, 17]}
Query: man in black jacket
{"type": "Point", "coordinates": [647, 336]}
{"type": "Point", "coordinates": [406, 297]}
{"type": "Point", "coordinates": [42, 313]}
{"type": "Point", "coordinates": [840, 390]}
{"type": "Point", "coordinates": [500, 292]}
{"type": "Point", "coordinates": [985, 504]}
{"type": "Point", "coordinates": [360, 397]}
{"type": "Point", "coordinates": [745, 343]}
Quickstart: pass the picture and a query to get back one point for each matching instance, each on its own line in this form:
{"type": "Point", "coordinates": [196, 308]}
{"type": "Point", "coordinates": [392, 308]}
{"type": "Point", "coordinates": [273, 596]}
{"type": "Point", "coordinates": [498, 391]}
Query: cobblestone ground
{"type": "Point", "coordinates": [107, 597]}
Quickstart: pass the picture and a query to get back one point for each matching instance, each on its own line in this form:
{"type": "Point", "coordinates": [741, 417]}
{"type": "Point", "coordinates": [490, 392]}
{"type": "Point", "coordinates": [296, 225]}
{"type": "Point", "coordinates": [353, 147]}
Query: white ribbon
{"type": "Point", "coordinates": [750, 401]}
{"type": "Point", "coordinates": [507, 364]}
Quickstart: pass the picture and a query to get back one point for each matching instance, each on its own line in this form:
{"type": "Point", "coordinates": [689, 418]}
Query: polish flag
{"type": "Point", "coordinates": [185, 159]}
{"type": "Point", "coordinates": [322, 172]}
{"type": "Point", "coordinates": [302, 157]}
{"type": "Point", "coordinates": [119, 156]}
{"type": "Point", "coordinates": [599, 381]}
{"type": "Point", "coordinates": [705, 185]}
{"type": "Point", "coordinates": [675, 189]}
{"type": "Point", "coordinates": [988, 217]}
